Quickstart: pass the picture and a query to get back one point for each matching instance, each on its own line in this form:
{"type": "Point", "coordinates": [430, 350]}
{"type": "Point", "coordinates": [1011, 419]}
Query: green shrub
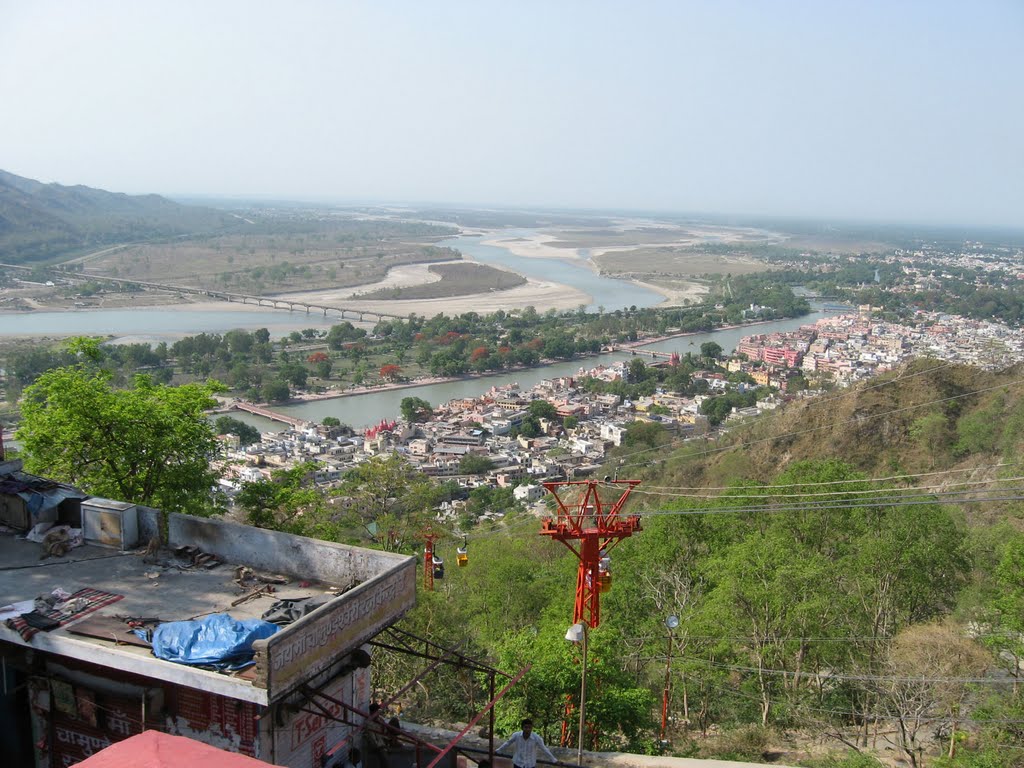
{"type": "Point", "coordinates": [748, 742]}
{"type": "Point", "coordinates": [849, 760]}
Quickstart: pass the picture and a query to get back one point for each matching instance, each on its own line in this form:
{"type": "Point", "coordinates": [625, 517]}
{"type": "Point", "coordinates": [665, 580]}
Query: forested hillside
{"type": "Point", "coordinates": [928, 417]}
{"type": "Point", "coordinates": [848, 574]}
{"type": "Point", "coordinates": [45, 221]}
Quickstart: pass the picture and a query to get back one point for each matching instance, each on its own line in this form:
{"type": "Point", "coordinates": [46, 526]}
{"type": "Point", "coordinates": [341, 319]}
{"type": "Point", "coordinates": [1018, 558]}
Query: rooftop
{"type": "Point", "coordinates": [365, 590]}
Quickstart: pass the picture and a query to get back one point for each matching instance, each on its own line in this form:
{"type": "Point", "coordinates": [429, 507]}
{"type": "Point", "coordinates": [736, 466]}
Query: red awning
{"type": "Point", "coordinates": [153, 749]}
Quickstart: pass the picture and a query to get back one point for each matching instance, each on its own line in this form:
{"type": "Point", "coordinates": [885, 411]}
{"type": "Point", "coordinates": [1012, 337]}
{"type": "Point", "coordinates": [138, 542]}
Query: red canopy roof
{"type": "Point", "coordinates": [153, 749]}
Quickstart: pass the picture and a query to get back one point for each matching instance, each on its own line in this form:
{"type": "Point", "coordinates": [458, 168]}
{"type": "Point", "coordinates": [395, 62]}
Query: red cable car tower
{"type": "Point", "coordinates": [597, 527]}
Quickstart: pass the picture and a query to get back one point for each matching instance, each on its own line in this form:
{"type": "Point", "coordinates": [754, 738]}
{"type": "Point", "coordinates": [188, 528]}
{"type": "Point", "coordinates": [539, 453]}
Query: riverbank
{"type": "Point", "coordinates": [426, 381]}
{"type": "Point", "coordinates": [422, 381]}
{"type": "Point", "coordinates": [540, 294]}
{"type": "Point", "coordinates": [536, 246]}
{"type": "Point", "coordinates": [693, 293]}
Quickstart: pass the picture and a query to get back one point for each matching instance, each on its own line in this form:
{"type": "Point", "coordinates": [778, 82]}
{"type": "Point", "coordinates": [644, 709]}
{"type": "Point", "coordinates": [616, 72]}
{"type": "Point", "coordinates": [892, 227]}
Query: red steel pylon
{"type": "Point", "coordinates": [590, 529]}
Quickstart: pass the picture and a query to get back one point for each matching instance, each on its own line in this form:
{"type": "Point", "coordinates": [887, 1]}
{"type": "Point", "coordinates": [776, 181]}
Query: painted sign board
{"type": "Point", "coordinates": [315, 642]}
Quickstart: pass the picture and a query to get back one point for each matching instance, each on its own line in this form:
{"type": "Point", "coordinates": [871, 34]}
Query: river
{"type": "Point", "coordinates": [366, 409]}
{"type": "Point", "coordinates": [154, 323]}
{"type": "Point", "coordinates": [604, 292]}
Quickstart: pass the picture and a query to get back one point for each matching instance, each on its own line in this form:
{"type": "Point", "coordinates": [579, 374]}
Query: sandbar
{"type": "Point", "coordinates": [540, 294]}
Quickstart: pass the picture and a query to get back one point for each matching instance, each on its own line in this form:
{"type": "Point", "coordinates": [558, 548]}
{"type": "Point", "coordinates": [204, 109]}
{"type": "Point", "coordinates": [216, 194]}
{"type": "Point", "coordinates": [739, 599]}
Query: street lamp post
{"type": "Point", "coordinates": [578, 633]}
{"type": "Point", "coordinates": [671, 622]}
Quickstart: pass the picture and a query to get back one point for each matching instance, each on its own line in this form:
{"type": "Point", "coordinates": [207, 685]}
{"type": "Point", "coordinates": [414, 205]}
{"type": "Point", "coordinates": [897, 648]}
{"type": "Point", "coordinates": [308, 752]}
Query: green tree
{"type": "Point", "coordinates": [542, 409]}
{"type": "Point", "coordinates": [324, 368]}
{"type": "Point", "coordinates": [295, 374]}
{"type": "Point", "coordinates": [710, 350]}
{"type": "Point", "coordinates": [645, 433]}
{"type": "Point", "coordinates": [281, 502]}
{"type": "Point", "coordinates": [475, 464]}
{"type": "Point", "coordinates": [386, 498]}
{"type": "Point", "coordinates": [415, 409]}
{"type": "Point", "coordinates": [275, 391]}
{"type": "Point", "coordinates": [1006, 607]}
{"type": "Point", "coordinates": [149, 444]}
{"type": "Point", "coordinates": [530, 427]}
{"type": "Point", "coordinates": [228, 425]}
{"type": "Point", "coordinates": [343, 333]}
{"type": "Point", "coordinates": [977, 432]}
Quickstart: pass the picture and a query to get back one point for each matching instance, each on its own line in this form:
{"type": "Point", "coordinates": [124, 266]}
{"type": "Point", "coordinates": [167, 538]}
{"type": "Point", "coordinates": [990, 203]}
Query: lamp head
{"type": "Point", "coordinates": [672, 621]}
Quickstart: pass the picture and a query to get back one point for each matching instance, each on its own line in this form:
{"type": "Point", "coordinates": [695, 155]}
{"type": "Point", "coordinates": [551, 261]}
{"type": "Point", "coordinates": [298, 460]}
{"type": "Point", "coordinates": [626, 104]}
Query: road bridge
{"type": "Point", "coordinates": [269, 302]}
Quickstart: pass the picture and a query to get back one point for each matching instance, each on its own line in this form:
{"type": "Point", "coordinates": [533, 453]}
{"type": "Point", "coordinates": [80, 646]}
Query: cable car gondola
{"type": "Point", "coordinates": [604, 572]}
{"type": "Point", "coordinates": [462, 554]}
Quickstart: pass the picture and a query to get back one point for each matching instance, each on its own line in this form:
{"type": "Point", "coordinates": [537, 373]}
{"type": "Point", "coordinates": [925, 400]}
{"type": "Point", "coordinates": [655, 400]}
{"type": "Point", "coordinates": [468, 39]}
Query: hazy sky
{"type": "Point", "coordinates": [890, 110]}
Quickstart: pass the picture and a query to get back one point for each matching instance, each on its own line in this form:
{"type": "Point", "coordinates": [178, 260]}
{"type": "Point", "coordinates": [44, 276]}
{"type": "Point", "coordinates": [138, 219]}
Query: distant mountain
{"type": "Point", "coordinates": [42, 222]}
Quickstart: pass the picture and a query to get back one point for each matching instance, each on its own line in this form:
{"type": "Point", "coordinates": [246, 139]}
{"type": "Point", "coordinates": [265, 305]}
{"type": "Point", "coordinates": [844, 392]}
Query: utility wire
{"type": "Point", "coordinates": [852, 481]}
{"type": "Point", "coordinates": [678, 636]}
{"type": "Point", "coordinates": [910, 490]}
{"type": "Point", "coordinates": [856, 419]}
{"type": "Point", "coordinates": [827, 504]}
{"type": "Point", "coordinates": [874, 715]}
{"type": "Point", "coordinates": [843, 676]}
{"type": "Point", "coordinates": [817, 507]}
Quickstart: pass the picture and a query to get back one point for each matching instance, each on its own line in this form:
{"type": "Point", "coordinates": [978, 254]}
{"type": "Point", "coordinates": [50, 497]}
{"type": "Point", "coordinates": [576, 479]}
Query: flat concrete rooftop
{"type": "Point", "coordinates": [375, 589]}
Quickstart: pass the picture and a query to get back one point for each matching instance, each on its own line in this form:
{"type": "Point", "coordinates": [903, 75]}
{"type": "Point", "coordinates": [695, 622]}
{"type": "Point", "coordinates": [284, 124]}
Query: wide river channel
{"type": "Point", "coordinates": [365, 409]}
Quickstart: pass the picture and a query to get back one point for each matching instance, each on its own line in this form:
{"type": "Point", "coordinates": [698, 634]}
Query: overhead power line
{"type": "Point", "coordinates": [844, 676]}
{"type": "Point", "coordinates": [1018, 495]}
{"type": "Point", "coordinates": [908, 491]}
{"type": "Point", "coordinates": [852, 481]}
{"type": "Point", "coordinates": [877, 715]}
{"type": "Point", "coordinates": [830, 425]}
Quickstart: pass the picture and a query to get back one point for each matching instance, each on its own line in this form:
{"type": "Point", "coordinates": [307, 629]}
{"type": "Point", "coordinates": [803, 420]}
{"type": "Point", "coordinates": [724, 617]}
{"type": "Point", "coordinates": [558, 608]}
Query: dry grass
{"type": "Point", "coordinates": [650, 263]}
{"type": "Point", "coordinates": [260, 264]}
{"type": "Point", "coordinates": [599, 238]}
{"type": "Point", "coordinates": [456, 280]}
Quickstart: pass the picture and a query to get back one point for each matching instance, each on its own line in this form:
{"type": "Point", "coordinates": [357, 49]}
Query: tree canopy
{"type": "Point", "coordinates": [150, 444]}
{"type": "Point", "coordinates": [415, 409]}
{"type": "Point", "coordinates": [228, 425]}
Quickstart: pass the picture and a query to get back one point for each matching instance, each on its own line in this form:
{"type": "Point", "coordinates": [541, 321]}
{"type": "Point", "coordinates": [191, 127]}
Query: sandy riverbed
{"type": "Point", "coordinates": [677, 295]}
{"type": "Point", "coordinates": [540, 294]}
{"type": "Point", "coordinates": [534, 246]}
{"type": "Point", "coordinates": [537, 246]}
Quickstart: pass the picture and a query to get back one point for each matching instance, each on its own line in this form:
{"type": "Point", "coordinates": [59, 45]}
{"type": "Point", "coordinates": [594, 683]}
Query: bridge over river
{"type": "Point", "coordinates": [269, 414]}
{"type": "Point", "coordinates": [242, 298]}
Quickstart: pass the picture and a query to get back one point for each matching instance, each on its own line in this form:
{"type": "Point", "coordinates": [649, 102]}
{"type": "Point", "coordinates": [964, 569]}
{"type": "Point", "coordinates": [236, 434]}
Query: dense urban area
{"type": "Point", "coordinates": [829, 511]}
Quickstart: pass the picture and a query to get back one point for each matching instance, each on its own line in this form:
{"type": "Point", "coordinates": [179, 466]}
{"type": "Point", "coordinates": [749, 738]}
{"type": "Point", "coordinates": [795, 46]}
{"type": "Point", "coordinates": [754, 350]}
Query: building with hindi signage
{"type": "Point", "coordinates": [78, 611]}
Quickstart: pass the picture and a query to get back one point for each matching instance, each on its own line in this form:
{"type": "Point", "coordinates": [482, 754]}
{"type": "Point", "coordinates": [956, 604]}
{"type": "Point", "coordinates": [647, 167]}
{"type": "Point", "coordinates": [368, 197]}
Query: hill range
{"type": "Point", "coordinates": [50, 222]}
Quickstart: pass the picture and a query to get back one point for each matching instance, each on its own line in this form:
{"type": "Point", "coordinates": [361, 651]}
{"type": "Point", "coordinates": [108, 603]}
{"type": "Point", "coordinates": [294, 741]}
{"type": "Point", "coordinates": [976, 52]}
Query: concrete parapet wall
{"type": "Point", "coordinates": [331, 563]}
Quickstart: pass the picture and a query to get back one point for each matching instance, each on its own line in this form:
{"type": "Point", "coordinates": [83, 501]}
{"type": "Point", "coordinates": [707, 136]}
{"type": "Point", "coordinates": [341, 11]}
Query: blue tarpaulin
{"type": "Point", "coordinates": [216, 639]}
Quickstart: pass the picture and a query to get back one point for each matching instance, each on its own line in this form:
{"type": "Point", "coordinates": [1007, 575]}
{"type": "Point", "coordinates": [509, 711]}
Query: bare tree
{"type": "Point", "coordinates": [931, 666]}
